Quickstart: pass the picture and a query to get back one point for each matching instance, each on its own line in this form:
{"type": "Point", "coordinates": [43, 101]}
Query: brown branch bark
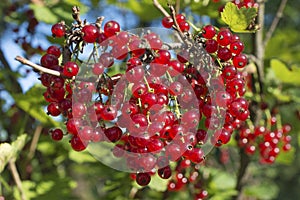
{"type": "Point", "coordinates": [258, 51]}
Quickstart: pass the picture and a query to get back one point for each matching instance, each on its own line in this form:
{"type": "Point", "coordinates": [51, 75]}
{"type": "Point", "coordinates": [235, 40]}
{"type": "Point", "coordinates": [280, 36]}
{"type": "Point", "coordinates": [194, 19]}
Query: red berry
{"type": "Point", "coordinates": [208, 31]}
{"type": "Point", "coordinates": [167, 22]}
{"type": "Point", "coordinates": [236, 47]}
{"type": "Point", "coordinates": [114, 133]}
{"type": "Point", "coordinates": [70, 69]}
{"type": "Point", "coordinates": [98, 68]}
{"type": "Point", "coordinates": [180, 18]}
{"type": "Point", "coordinates": [77, 144]}
{"type": "Point", "coordinates": [108, 113]}
{"type": "Point", "coordinates": [224, 53]}
{"type": "Point", "coordinates": [175, 67]}
{"type": "Point", "coordinates": [143, 179]}
{"type": "Point", "coordinates": [49, 60]}
{"type": "Point", "coordinates": [53, 109]}
{"type": "Point", "coordinates": [184, 26]}
{"type": "Point", "coordinates": [240, 61]}
{"type": "Point", "coordinates": [58, 30]}
{"type": "Point", "coordinates": [90, 33]}
{"type": "Point", "coordinates": [211, 46]}
{"type": "Point", "coordinates": [224, 37]}
{"type": "Point", "coordinates": [106, 59]}
{"type": "Point", "coordinates": [54, 50]}
{"type": "Point", "coordinates": [111, 28]}
{"type": "Point", "coordinates": [57, 134]}
{"type": "Point", "coordinates": [165, 172]}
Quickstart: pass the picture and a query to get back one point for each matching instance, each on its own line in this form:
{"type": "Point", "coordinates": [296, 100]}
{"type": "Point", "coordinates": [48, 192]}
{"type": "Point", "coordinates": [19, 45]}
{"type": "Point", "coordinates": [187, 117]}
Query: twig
{"type": "Point", "coordinates": [176, 25]}
{"type": "Point", "coordinates": [159, 7]}
{"type": "Point", "coordinates": [259, 47]}
{"type": "Point", "coordinates": [37, 67]}
{"type": "Point", "coordinates": [177, 6]}
{"type": "Point", "coordinates": [133, 192]}
{"type": "Point", "coordinates": [17, 179]}
{"type": "Point", "coordinates": [34, 141]}
{"type": "Point", "coordinates": [244, 163]}
{"type": "Point", "coordinates": [99, 22]}
{"type": "Point", "coordinates": [275, 21]}
{"type": "Point", "coordinates": [76, 14]}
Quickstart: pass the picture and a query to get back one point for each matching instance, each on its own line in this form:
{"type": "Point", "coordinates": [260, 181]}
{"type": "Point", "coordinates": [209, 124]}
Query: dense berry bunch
{"type": "Point", "coordinates": [165, 105]}
{"type": "Point", "coordinates": [246, 3]}
{"type": "Point", "coordinates": [268, 142]}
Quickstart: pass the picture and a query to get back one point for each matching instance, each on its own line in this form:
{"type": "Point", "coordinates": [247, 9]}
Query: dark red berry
{"type": "Point", "coordinates": [57, 134]}
{"type": "Point", "coordinates": [143, 179]}
{"type": "Point", "coordinates": [58, 30]}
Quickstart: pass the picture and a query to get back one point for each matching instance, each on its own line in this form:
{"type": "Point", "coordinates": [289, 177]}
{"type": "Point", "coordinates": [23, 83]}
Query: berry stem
{"type": "Point", "coordinates": [279, 122]}
{"type": "Point", "coordinates": [268, 121]}
{"type": "Point", "coordinates": [148, 86]}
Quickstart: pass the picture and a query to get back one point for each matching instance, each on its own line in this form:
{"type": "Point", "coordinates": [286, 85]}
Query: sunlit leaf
{"type": "Point", "coordinates": [284, 74]}
{"type": "Point", "coordinates": [158, 183]}
{"type": "Point", "coordinates": [286, 158]}
{"type": "Point", "coordinates": [238, 19]}
{"type": "Point", "coordinates": [44, 14]}
{"type": "Point", "coordinates": [6, 153]}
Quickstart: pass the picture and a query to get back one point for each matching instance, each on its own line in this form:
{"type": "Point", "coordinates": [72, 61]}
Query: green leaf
{"type": "Point", "coordinates": [32, 102]}
{"type": "Point", "coordinates": [18, 145]}
{"type": "Point", "coordinates": [286, 158]}
{"type": "Point", "coordinates": [284, 74]}
{"type": "Point", "coordinates": [158, 183]}
{"type": "Point", "coordinates": [44, 14]}
{"type": "Point", "coordinates": [11, 151]}
{"type": "Point", "coordinates": [223, 181]}
{"type": "Point", "coordinates": [238, 19]}
{"type": "Point", "coordinates": [6, 153]}
{"type": "Point", "coordinates": [264, 190]}
{"type": "Point", "coordinates": [81, 157]}
{"type": "Point", "coordinates": [143, 9]}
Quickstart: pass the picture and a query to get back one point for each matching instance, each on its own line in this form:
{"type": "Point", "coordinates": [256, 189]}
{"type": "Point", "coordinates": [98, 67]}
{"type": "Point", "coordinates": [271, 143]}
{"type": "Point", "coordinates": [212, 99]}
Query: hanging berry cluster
{"type": "Point", "coordinates": [172, 99]}
{"type": "Point", "coordinates": [269, 139]}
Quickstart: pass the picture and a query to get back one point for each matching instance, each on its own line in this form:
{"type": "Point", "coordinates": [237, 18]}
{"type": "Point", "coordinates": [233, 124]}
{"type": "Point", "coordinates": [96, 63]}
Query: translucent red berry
{"type": "Point", "coordinates": [58, 30]}
{"type": "Point", "coordinates": [111, 28]}
{"type": "Point", "coordinates": [90, 33]}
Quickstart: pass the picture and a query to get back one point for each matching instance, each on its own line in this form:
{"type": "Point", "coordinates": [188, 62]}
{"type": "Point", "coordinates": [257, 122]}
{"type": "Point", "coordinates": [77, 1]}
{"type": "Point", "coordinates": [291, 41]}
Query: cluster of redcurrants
{"type": "Point", "coordinates": [168, 22]}
{"type": "Point", "coordinates": [245, 3]}
{"type": "Point", "coordinates": [168, 103]}
{"type": "Point", "coordinates": [268, 142]}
